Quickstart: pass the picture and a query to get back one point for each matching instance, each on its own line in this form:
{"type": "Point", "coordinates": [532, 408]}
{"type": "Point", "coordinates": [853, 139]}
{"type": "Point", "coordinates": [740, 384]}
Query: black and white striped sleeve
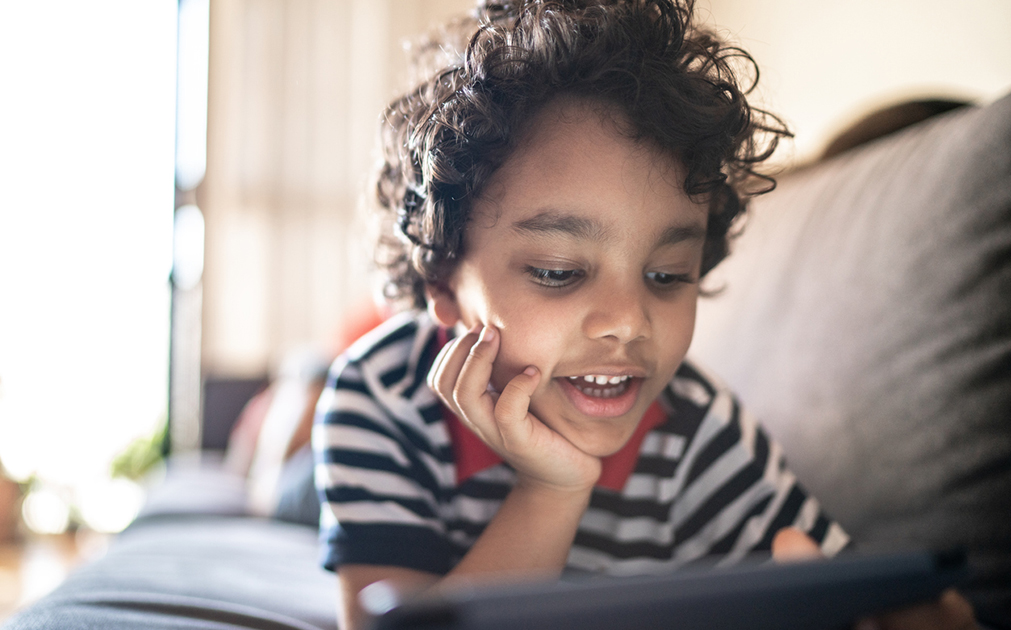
{"type": "Point", "coordinates": [379, 498]}
{"type": "Point", "coordinates": [737, 491]}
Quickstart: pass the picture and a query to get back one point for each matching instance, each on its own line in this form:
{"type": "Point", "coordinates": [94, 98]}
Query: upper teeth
{"type": "Point", "coordinates": [604, 380]}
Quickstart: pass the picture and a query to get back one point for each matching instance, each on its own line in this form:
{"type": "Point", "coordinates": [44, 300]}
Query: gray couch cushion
{"type": "Point", "coordinates": [196, 484]}
{"type": "Point", "coordinates": [867, 322]}
{"type": "Point", "coordinates": [183, 572]}
{"type": "Point", "coordinates": [298, 501]}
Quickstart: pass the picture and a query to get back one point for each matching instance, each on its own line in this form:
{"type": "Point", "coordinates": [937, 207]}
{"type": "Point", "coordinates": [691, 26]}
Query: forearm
{"type": "Point", "coordinates": [531, 534]}
{"type": "Point", "coordinates": [529, 538]}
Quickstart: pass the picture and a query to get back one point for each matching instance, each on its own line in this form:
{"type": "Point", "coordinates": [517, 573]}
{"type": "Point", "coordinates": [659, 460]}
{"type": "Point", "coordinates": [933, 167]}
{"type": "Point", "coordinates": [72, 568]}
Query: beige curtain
{"type": "Point", "coordinates": [296, 88]}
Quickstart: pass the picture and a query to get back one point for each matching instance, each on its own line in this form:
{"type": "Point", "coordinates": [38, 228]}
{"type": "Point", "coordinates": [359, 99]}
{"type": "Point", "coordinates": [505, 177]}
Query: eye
{"type": "Point", "coordinates": [554, 278]}
{"type": "Point", "coordinates": [669, 279]}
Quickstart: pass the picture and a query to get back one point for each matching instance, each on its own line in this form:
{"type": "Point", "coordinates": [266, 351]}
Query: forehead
{"type": "Point", "coordinates": [576, 159]}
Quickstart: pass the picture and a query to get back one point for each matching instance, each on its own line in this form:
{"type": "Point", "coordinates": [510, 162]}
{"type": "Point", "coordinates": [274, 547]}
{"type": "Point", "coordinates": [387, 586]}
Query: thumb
{"type": "Point", "coordinates": [793, 545]}
{"type": "Point", "coordinates": [514, 401]}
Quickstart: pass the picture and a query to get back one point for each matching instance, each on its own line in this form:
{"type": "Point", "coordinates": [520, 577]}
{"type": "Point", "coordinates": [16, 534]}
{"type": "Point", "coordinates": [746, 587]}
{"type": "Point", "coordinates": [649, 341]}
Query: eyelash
{"type": "Point", "coordinates": [561, 278]}
{"type": "Point", "coordinates": [672, 278]}
{"type": "Point", "coordinates": [549, 277]}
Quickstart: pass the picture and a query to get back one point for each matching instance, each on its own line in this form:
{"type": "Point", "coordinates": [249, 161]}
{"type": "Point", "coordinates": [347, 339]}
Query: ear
{"type": "Point", "coordinates": [442, 304]}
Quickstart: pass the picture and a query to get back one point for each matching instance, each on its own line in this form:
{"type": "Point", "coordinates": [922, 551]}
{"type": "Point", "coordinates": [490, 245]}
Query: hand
{"type": "Point", "coordinates": [950, 612]}
{"type": "Point", "coordinates": [460, 376]}
{"type": "Point", "coordinates": [792, 545]}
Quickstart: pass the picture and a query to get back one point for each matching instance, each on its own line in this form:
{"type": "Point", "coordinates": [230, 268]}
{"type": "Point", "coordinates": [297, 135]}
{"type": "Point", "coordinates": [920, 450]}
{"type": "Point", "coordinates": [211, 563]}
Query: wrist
{"type": "Point", "coordinates": [540, 490]}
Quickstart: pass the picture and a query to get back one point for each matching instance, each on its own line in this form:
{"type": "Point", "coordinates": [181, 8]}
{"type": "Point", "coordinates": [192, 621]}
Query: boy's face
{"type": "Point", "coordinates": [584, 252]}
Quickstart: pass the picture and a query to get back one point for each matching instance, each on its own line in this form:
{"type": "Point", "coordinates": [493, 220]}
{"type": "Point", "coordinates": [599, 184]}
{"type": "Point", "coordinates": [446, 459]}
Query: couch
{"type": "Point", "coordinates": [866, 320]}
{"type": "Point", "coordinates": [865, 317]}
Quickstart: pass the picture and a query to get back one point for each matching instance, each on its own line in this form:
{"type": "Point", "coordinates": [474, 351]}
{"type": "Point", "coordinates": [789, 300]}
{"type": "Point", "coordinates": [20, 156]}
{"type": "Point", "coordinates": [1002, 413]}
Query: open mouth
{"type": "Point", "coordinates": [601, 396]}
{"type": "Point", "coordinates": [599, 386]}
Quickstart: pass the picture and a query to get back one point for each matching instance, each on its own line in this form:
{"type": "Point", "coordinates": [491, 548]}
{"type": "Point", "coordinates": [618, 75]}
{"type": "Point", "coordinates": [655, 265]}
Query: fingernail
{"type": "Point", "coordinates": [530, 371]}
{"type": "Point", "coordinates": [488, 333]}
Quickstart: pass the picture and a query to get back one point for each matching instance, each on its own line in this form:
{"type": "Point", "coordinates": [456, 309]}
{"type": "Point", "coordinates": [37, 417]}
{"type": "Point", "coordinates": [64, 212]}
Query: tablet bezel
{"type": "Point", "coordinates": [819, 594]}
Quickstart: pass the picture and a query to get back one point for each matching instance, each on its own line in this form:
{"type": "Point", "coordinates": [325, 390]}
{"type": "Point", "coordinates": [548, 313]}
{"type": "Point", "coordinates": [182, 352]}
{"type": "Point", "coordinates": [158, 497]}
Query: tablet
{"type": "Point", "coordinates": [822, 594]}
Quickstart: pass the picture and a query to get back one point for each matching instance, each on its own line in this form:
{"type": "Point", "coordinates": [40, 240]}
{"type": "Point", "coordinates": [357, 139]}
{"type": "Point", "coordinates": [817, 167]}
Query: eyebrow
{"type": "Point", "coordinates": [551, 222]}
{"type": "Point", "coordinates": [680, 233]}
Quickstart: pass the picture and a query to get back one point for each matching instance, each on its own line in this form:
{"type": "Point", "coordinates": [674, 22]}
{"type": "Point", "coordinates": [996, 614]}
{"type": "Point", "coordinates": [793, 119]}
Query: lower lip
{"type": "Point", "coordinates": [602, 407]}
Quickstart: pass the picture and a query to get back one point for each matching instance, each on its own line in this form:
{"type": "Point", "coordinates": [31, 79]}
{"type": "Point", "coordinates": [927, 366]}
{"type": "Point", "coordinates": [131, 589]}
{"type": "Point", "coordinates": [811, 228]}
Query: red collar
{"type": "Point", "coordinates": [472, 455]}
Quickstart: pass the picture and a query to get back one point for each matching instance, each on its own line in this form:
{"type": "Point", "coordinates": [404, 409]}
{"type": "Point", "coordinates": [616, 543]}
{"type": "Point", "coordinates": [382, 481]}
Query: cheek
{"type": "Point", "coordinates": [530, 336]}
{"type": "Point", "coordinates": [486, 297]}
{"type": "Point", "coordinates": [679, 331]}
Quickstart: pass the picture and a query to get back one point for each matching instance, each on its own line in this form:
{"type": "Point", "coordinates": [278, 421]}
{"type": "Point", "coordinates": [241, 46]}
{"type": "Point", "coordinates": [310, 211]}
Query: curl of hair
{"type": "Point", "coordinates": [676, 83]}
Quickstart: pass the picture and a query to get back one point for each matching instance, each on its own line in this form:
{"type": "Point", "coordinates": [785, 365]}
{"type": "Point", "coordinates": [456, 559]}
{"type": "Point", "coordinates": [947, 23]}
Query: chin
{"type": "Point", "coordinates": [596, 436]}
{"type": "Point", "coordinates": [599, 438]}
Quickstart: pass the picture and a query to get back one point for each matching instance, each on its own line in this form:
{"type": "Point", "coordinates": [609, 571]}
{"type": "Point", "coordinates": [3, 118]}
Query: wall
{"type": "Point", "coordinates": [296, 88]}
{"type": "Point", "coordinates": [825, 63]}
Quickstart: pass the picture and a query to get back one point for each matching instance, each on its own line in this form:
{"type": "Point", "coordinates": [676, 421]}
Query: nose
{"type": "Point", "coordinates": [619, 313]}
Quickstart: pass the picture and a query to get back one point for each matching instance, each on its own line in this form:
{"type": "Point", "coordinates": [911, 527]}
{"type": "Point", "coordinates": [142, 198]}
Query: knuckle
{"type": "Point", "coordinates": [435, 382]}
{"type": "Point", "coordinates": [442, 396]}
{"type": "Point", "coordinates": [516, 388]}
{"type": "Point", "coordinates": [503, 410]}
{"type": "Point", "coordinates": [479, 350]}
{"type": "Point", "coordinates": [457, 394]}
{"type": "Point", "coordinates": [445, 393]}
{"type": "Point", "coordinates": [510, 407]}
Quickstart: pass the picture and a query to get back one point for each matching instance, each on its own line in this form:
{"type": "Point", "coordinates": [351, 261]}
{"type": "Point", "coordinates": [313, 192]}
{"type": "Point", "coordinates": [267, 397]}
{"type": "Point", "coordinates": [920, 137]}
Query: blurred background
{"type": "Point", "coordinates": [181, 186]}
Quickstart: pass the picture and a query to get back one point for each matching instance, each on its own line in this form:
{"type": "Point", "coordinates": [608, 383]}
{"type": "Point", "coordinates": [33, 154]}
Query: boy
{"type": "Point", "coordinates": [554, 200]}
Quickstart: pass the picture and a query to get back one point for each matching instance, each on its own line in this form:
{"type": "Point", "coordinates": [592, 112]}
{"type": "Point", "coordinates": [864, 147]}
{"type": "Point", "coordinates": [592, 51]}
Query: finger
{"type": "Point", "coordinates": [448, 371]}
{"type": "Point", "coordinates": [958, 609]}
{"type": "Point", "coordinates": [513, 405]}
{"type": "Point", "coordinates": [950, 612]}
{"type": "Point", "coordinates": [440, 358]}
{"type": "Point", "coordinates": [471, 390]}
{"type": "Point", "coordinates": [792, 545]}
{"type": "Point", "coordinates": [437, 364]}
{"type": "Point", "coordinates": [436, 374]}
{"type": "Point", "coordinates": [922, 617]}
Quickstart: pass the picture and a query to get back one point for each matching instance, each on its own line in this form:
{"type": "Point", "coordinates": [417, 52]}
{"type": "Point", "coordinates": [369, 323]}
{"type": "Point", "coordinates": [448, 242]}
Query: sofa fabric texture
{"type": "Point", "coordinates": [202, 571]}
{"type": "Point", "coordinates": [865, 318]}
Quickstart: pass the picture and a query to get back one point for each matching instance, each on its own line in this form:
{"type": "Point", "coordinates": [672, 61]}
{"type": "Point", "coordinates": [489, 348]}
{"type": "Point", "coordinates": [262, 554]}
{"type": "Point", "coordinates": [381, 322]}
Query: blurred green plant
{"type": "Point", "coordinates": [141, 455]}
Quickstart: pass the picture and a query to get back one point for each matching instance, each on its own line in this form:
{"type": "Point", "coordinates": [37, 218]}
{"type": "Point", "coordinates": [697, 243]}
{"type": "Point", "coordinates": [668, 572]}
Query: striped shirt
{"type": "Point", "coordinates": [709, 485]}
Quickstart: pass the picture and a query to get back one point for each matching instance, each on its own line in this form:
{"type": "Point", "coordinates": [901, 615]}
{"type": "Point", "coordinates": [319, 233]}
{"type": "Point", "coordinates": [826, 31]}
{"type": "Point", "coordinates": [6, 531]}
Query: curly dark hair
{"type": "Point", "coordinates": [675, 81]}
